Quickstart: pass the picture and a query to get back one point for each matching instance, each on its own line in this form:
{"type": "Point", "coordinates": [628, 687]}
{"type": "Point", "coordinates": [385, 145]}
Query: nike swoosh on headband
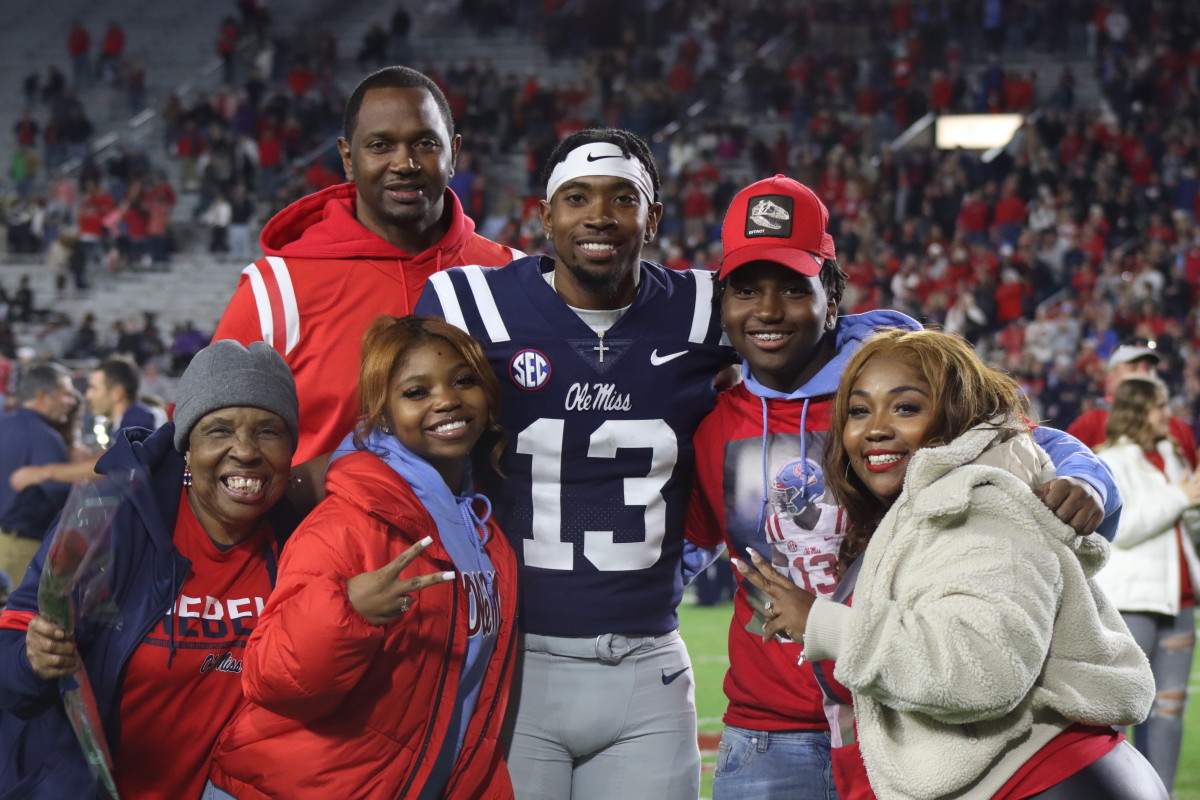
{"type": "Point", "coordinates": [591, 157]}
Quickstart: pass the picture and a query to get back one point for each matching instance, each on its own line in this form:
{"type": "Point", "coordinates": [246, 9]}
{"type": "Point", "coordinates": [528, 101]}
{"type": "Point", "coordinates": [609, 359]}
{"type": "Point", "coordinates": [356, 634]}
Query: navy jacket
{"type": "Point", "coordinates": [29, 440]}
{"type": "Point", "coordinates": [41, 758]}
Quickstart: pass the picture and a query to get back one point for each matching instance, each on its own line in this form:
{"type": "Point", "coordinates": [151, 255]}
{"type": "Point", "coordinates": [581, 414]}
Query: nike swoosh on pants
{"type": "Point", "coordinates": [667, 679]}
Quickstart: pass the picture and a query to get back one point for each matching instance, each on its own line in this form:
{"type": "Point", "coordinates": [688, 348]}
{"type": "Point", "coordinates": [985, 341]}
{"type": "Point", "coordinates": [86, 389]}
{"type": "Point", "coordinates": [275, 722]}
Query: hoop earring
{"type": "Point", "coordinates": [187, 469]}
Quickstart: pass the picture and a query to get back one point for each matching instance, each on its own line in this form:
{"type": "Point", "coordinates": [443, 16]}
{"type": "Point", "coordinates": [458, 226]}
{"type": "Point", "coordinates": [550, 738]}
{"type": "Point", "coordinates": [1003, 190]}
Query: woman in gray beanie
{"type": "Point", "coordinates": [193, 563]}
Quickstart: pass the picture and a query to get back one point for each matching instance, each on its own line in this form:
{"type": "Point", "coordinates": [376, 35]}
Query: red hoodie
{"type": "Point", "coordinates": [324, 279]}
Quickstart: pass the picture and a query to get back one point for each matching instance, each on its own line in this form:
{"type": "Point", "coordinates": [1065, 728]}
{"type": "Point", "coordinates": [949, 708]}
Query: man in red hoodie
{"type": "Point", "coordinates": [337, 259]}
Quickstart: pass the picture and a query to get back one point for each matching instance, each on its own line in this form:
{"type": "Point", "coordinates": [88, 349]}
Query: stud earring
{"type": "Point", "coordinates": [187, 469]}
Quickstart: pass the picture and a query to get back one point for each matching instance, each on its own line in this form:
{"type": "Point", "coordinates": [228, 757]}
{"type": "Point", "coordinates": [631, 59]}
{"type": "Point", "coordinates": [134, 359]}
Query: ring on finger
{"type": "Point", "coordinates": [769, 608]}
{"type": "Point", "coordinates": [408, 603]}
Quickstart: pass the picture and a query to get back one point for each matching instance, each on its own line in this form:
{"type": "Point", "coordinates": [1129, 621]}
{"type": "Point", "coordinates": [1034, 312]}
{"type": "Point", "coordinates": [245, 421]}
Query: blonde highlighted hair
{"type": "Point", "coordinates": [964, 392]}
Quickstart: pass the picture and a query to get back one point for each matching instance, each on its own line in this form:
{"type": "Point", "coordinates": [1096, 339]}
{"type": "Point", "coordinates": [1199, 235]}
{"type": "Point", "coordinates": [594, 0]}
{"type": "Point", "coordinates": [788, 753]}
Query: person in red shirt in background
{"type": "Point", "coordinates": [79, 44]}
{"type": "Point", "coordinates": [188, 147]}
{"type": "Point", "coordinates": [973, 217]}
{"type": "Point", "coordinates": [1018, 91]}
{"type": "Point", "coordinates": [1010, 296]}
{"type": "Point", "coordinates": [941, 92]}
{"type": "Point", "coordinates": [95, 206]}
{"type": "Point", "coordinates": [300, 77]}
{"type": "Point", "coordinates": [1009, 214]}
{"type": "Point", "coordinates": [112, 51]}
{"type": "Point", "coordinates": [227, 41]}
{"type": "Point", "coordinates": [337, 259]}
{"type": "Point", "coordinates": [270, 159]}
{"type": "Point", "coordinates": [697, 207]}
{"type": "Point", "coordinates": [1129, 361]}
{"type": "Point", "coordinates": [159, 200]}
{"type": "Point", "coordinates": [135, 213]}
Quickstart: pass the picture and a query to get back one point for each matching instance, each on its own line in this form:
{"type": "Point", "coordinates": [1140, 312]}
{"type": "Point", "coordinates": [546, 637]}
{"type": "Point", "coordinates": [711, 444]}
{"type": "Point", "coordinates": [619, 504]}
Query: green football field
{"type": "Point", "coordinates": [705, 630]}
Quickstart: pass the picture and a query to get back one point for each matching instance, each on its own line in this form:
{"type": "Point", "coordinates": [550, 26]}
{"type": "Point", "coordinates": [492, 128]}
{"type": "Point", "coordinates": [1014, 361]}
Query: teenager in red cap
{"type": "Point", "coordinates": [760, 482]}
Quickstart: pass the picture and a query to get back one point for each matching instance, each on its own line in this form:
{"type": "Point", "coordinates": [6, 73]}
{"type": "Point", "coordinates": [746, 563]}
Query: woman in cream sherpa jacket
{"type": "Point", "coordinates": [975, 636]}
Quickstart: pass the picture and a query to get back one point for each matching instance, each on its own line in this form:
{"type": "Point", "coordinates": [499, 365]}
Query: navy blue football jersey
{"type": "Point", "coordinates": [598, 460]}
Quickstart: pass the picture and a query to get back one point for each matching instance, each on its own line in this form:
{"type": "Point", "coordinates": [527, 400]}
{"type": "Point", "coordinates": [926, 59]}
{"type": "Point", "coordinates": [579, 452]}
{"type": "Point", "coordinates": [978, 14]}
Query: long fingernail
{"type": "Point", "coordinates": [428, 540]}
{"type": "Point", "coordinates": [447, 576]}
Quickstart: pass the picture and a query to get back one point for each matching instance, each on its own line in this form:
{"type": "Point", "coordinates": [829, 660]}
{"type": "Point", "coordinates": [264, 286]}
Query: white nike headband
{"type": "Point", "coordinates": [600, 158]}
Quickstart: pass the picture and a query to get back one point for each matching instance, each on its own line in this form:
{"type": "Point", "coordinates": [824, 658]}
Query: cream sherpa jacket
{"type": "Point", "coordinates": [976, 635]}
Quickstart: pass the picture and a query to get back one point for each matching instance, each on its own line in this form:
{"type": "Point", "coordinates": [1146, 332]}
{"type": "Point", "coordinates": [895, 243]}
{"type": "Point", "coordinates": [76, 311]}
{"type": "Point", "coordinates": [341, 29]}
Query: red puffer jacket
{"type": "Point", "coordinates": [345, 709]}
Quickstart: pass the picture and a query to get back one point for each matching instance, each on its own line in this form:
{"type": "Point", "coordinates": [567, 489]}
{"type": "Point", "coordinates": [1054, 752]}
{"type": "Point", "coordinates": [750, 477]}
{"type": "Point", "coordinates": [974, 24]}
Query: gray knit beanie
{"type": "Point", "coordinates": [226, 374]}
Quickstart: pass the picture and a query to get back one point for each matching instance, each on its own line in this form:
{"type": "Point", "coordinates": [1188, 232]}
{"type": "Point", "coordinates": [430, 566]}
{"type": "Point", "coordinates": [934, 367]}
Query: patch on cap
{"type": "Point", "coordinates": [770, 215]}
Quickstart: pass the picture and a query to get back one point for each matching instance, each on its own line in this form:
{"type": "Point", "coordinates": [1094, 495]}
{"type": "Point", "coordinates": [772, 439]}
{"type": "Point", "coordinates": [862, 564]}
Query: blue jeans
{"type": "Point", "coordinates": [1169, 643]}
{"type": "Point", "coordinates": [773, 765]}
{"type": "Point", "coordinates": [211, 792]}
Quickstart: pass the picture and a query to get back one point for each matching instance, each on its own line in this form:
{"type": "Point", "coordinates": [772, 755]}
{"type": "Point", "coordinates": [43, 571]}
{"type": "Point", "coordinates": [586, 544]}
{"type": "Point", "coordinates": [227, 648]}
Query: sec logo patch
{"type": "Point", "coordinates": [529, 369]}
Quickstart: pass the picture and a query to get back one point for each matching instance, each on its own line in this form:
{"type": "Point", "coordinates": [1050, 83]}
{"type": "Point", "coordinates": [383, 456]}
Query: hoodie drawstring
{"type": "Point", "coordinates": [803, 438]}
{"type": "Point", "coordinates": [404, 275]}
{"type": "Point", "coordinates": [473, 522]}
{"type": "Point", "coordinates": [174, 618]}
{"type": "Point", "coordinates": [766, 497]}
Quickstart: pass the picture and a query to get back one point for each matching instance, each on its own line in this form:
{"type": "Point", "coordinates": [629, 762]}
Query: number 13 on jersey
{"type": "Point", "coordinates": [543, 441]}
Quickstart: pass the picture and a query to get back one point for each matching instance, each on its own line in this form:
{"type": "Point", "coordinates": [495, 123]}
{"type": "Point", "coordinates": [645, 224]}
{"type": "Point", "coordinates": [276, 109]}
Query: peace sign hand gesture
{"type": "Point", "coordinates": [380, 596]}
{"type": "Point", "coordinates": [787, 610]}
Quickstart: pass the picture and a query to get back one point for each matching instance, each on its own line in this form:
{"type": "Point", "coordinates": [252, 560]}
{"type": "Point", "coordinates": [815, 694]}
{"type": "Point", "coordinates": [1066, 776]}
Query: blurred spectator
{"type": "Point", "coordinates": [398, 31]}
{"type": "Point", "coordinates": [227, 42]}
{"type": "Point", "coordinates": [186, 341]}
{"type": "Point", "coordinates": [79, 45]}
{"type": "Point", "coordinates": [241, 216]}
{"type": "Point", "coordinates": [26, 129]}
{"type": "Point", "coordinates": [109, 66]}
{"type": "Point", "coordinates": [1129, 361]}
{"type": "Point", "coordinates": [30, 438]}
{"type": "Point", "coordinates": [218, 217]}
{"type": "Point", "coordinates": [64, 259]}
{"type": "Point", "coordinates": [374, 51]}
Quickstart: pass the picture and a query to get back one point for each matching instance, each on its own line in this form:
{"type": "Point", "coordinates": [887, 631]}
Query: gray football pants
{"type": "Point", "coordinates": [605, 718]}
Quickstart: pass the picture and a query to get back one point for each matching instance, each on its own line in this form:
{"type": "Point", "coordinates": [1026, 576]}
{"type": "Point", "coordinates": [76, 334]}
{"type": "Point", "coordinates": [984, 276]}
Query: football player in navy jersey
{"type": "Point", "coordinates": [607, 364]}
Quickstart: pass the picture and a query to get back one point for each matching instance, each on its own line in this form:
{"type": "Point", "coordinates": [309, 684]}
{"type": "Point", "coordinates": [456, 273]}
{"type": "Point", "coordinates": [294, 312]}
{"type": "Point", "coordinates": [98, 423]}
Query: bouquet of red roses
{"type": "Point", "coordinates": [75, 586]}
